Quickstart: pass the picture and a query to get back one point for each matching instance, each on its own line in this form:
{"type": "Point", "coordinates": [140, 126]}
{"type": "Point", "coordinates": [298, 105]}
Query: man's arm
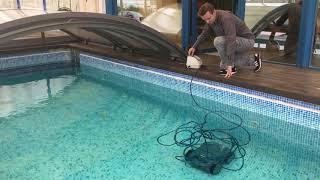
{"type": "Point", "coordinates": [204, 35]}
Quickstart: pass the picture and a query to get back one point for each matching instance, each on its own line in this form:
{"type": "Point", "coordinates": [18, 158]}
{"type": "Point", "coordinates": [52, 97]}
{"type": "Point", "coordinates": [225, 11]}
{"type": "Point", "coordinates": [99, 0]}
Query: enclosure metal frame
{"type": "Point", "coordinates": [308, 24]}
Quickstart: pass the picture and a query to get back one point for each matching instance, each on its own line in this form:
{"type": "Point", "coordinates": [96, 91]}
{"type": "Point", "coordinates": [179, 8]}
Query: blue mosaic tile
{"type": "Point", "coordinates": [288, 110]}
{"type": "Point", "coordinates": [34, 59]}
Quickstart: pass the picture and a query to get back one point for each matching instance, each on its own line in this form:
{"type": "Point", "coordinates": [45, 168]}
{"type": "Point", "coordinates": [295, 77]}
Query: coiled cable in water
{"type": "Point", "coordinates": [198, 134]}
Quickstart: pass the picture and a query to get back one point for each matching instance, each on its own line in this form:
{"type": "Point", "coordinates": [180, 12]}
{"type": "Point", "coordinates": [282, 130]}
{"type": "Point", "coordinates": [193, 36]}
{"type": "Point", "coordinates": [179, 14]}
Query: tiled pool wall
{"type": "Point", "coordinates": [13, 62]}
{"type": "Point", "coordinates": [277, 112]}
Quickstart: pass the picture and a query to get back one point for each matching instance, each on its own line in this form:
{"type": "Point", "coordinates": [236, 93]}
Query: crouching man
{"type": "Point", "coordinates": [232, 39]}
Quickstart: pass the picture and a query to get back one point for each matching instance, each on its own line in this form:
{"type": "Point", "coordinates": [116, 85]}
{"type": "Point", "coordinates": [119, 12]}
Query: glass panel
{"type": "Point", "coordinates": [7, 4]}
{"type": "Point", "coordinates": [316, 53]}
{"type": "Point", "coordinates": [90, 36]}
{"type": "Point", "coordinates": [276, 25]}
{"type": "Point", "coordinates": [164, 16]}
{"type": "Point", "coordinates": [97, 6]}
{"type": "Point", "coordinates": [33, 4]}
{"type": "Point", "coordinates": [54, 33]}
{"type": "Point", "coordinates": [30, 36]}
{"type": "Point", "coordinates": [38, 39]}
{"type": "Point", "coordinates": [47, 34]}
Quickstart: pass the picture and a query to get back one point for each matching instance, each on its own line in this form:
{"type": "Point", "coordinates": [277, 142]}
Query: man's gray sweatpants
{"type": "Point", "coordinates": [242, 56]}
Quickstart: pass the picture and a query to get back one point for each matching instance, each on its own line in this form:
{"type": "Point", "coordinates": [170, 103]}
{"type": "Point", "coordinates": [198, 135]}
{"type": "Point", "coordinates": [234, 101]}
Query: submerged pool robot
{"type": "Point", "coordinates": [209, 157]}
{"type": "Point", "coordinates": [194, 62]}
{"type": "Point", "coordinates": [206, 148]}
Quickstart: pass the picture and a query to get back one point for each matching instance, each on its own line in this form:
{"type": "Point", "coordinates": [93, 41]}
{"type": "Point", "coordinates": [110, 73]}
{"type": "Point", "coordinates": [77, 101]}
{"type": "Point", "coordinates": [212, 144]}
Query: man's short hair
{"type": "Point", "coordinates": [205, 8]}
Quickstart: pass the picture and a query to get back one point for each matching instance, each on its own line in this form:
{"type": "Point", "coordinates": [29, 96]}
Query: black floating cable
{"type": "Point", "coordinates": [199, 135]}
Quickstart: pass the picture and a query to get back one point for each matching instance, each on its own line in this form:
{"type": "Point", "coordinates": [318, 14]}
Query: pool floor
{"type": "Point", "coordinates": [88, 128]}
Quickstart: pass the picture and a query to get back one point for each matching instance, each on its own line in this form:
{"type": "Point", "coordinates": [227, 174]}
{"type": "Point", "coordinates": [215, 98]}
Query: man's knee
{"type": "Point", "coordinates": [219, 41]}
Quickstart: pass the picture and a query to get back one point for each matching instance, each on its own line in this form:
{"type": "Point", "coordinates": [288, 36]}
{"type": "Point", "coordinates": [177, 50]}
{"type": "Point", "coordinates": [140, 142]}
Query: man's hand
{"type": "Point", "coordinates": [229, 72]}
{"type": "Point", "coordinates": [191, 51]}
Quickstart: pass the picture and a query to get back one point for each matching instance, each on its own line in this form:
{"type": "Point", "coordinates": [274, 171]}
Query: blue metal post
{"type": "Point", "coordinates": [111, 7]}
{"type": "Point", "coordinates": [44, 4]}
{"type": "Point", "coordinates": [106, 4]}
{"type": "Point", "coordinates": [194, 21]}
{"type": "Point", "coordinates": [307, 32]}
{"type": "Point", "coordinates": [239, 9]}
{"type": "Point", "coordinates": [18, 4]}
{"type": "Point", "coordinates": [186, 24]}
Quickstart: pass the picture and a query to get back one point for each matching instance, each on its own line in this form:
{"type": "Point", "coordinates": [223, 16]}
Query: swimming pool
{"type": "Point", "coordinates": [102, 122]}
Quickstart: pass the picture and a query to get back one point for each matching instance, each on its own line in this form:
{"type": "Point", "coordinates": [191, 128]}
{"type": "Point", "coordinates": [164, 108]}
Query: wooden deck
{"type": "Point", "coordinates": [282, 80]}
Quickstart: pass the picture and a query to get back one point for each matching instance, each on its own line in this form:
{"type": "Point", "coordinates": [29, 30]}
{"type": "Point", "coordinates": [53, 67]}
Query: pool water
{"type": "Point", "coordinates": [89, 124]}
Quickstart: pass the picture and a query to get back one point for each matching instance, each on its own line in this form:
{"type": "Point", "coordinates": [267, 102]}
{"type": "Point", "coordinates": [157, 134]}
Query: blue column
{"type": "Point", "coordinates": [240, 6]}
{"type": "Point", "coordinates": [111, 7]}
{"type": "Point", "coordinates": [186, 24]}
{"type": "Point", "coordinates": [44, 3]}
{"type": "Point", "coordinates": [307, 31]}
{"type": "Point", "coordinates": [194, 21]}
{"type": "Point", "coordinates": [18, 4]}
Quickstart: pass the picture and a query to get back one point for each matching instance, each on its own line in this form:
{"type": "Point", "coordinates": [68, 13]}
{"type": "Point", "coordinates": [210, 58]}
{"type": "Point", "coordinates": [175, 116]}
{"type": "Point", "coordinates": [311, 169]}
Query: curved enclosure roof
{"type": "Point", "coordinates": [270, 17]}
{"type": "Point", "coordinates": [82, 27]}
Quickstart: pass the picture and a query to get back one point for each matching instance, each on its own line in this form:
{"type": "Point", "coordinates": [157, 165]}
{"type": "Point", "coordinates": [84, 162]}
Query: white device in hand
{"type": "Point", "coordinates": [194, 62]}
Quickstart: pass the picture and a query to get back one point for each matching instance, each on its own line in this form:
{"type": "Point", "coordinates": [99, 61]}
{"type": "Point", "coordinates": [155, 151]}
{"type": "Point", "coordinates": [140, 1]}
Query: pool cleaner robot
{"type": "Point", "coordinates": [209, 157]}
{"type": "Point", "coordinates": [193, 62]}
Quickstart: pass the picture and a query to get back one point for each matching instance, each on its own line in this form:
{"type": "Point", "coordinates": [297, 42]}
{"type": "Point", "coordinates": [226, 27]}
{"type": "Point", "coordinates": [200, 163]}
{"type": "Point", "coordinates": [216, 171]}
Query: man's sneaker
{"type": "Point", "coordinates": [223, 72]}
{"type": "Point", "coordinates": [257, 62]}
